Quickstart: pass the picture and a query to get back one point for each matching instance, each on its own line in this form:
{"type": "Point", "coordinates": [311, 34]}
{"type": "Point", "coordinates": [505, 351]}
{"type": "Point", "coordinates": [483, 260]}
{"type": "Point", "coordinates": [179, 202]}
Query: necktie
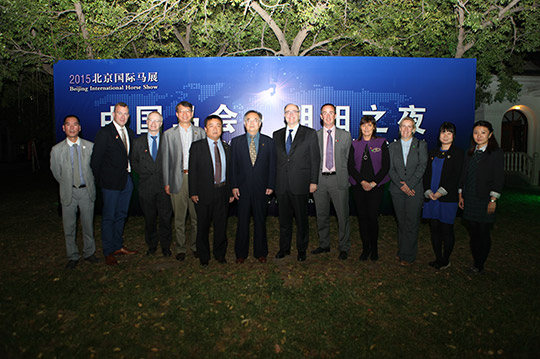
{"type": "Point", "coordinates": [154, 147]}
{"type": "Point", "coordinates": [288, 143]}
{"type": "Point", "coordinates": [329, 151]}
{"type": "Point", "coordinates": [124, 139]}
{"type": "Point", "coordinates": [76, 167]}
{"type": "Point", "coordinates": [252, 151]}
{"type": "Point", "coordinates": [217, 169]}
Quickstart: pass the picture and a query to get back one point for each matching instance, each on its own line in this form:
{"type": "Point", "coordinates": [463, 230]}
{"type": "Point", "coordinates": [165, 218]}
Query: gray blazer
{"type": "Point", "coordinates": [63, 173]}
{"type": "Point", "coordinates": [342, 146]}
{"type": "Point", "coordinates": [173, 157]}
{"type": "Point", "coordinates": [414, 171]}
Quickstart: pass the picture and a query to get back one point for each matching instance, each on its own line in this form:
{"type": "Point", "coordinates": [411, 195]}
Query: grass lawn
{"type": "Point", "coordinates": [155, 307]}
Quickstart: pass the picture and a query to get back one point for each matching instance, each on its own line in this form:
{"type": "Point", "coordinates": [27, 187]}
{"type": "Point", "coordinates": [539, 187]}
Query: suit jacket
{"type": "Point", "coordinates": [63, 172]}
{"type": "Point", "coordinates": [253, 179]}
{"type": "Point", "coordinates": [298, 169]}
{"type": "Point", "coordinates": [490, 173]}
{"type": "Point", "coordinates": [414, 171]}
{"type": "Point", "coordinates": [342, 146]}
{"type": "Point", "coordinates": [450, 175]}
{"type": "Point", "coordinates": [173, 156]}
{"type": "Point", "coordinates": [150, 171]}
{"type": "Point", "coordinates": [110, 159]}
{"type": "Point", "coordinates": [201, 171]}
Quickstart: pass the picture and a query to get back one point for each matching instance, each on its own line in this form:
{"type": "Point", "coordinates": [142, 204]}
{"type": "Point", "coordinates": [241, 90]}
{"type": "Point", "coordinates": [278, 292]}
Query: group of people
{"type": "Point", "coordinates": [188, 170]}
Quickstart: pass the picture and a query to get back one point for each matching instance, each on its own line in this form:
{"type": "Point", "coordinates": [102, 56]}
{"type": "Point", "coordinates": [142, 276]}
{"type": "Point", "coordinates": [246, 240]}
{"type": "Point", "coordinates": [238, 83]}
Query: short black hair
{"type": "Point", "coordinates": [212, 117]}
{"type": "Point", "coordinates": [74, 116]}
{"type": "Point", "coordinates": [184, 104]}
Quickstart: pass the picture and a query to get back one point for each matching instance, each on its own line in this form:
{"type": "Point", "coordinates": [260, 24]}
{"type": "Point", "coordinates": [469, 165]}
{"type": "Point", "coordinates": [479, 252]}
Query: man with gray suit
{"type": "Point", "coordinates": [70, 165]}
{"type": "Point", "coordinates": [334, 146]}
{"type": "Point", "coordinates": [176, 144]}
{"type": "Point", "coordinates": [408, 161]}
{"type": "Point", "coordinates": [146, 159]}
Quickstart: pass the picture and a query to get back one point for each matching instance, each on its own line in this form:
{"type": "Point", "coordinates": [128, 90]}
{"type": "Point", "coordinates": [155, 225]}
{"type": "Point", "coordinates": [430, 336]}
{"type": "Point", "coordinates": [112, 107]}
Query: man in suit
{"type": "Point", "coordinates": [297, 175]}
{"type": "Point", "coordinates": [408, 161]}
{"type": "Point", "coordinates": [209, 173]}
{"type": "Point", "coordinates": [112, 170]}
{"type": "Point", "coordinates": [146, 159]}
{"type": "Point", "coordinates": [176, 144]}
{"type": "Point", "coordinates": [334, 146]}
{"type": "Point", "coordinates": [70, 166]}
{"type": "Point", "coordinates": [253, 178]}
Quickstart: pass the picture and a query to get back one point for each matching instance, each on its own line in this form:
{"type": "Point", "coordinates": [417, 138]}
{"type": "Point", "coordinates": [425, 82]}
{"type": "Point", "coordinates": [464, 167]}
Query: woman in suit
{"type": "Point", "coordinates": [441, 196]}
{"type": "Point", "coordinates": [368, 167]}
{"type": "Point", "coordinates": [408, 160]}
{"type": "Point", "coordinates": [480, 187]}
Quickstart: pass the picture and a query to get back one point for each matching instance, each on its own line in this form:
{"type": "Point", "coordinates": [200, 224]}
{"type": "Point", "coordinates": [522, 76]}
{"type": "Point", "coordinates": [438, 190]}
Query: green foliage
{"type": "Point", "coordinates": [34, 34]}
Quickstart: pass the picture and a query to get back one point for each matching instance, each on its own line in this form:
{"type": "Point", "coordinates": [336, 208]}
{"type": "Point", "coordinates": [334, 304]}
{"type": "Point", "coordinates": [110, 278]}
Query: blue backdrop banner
{"type": "Point", "coordinates": [427, 89]}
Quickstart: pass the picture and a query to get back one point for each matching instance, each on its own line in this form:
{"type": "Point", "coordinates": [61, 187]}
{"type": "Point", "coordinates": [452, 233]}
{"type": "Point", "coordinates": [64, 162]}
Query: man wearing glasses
{"type": "Point", "coordinates": [297, 153]}
{"type": "Point", "coordinates": [253, 178]}
{"type": "Point", "coordinates": [176, 144]}
{"type": "Point", "coordinates": [146, 159]}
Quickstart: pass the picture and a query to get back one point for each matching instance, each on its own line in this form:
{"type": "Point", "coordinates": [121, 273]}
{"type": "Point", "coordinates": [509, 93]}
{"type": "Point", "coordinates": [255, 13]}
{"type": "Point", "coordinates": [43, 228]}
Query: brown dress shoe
{"type": "Point", "coordinates": [123, 251]}
{"type": "Point", "coordinates": [262, 259]}
{"type": "Point", "coordinates": [240, 260]}
{"type": "Point", "coordinates": [110, 260]}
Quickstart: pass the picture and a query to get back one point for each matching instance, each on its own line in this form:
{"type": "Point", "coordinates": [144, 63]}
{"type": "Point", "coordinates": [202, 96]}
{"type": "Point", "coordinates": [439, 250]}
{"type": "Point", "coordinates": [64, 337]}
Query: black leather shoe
{"type": "Point", "coordinates": [222, 260]}
{"type": "Point", "coordinates": [166, 252]}
{"type": "Point", "coordinates": [374, 257]}
{"type": "Point", "coordinates": [342, 255]}
{"type": "Point", "coordinates": [364, 256]}
{"type": "Point", "coordinates": [301, 256]}
{"type": "Point", "coordinates": [71, 264]}
{"type": "Point", "coordinates": [320, 250]}
{"type": "Point", "coordinates": [92, 259]}
{"type": "Point", "coordinates": [282, 254]}
{"type": "Point", "coordinates": [181, 256]}
{"type": "Point", "coordinates": [204, 263]}
{"type": "Point", "coordinates": [150, 252]}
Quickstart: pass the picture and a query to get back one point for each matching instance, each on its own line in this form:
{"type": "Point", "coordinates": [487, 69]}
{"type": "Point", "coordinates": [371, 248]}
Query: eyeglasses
{"type": "Point", "coordinates": [252, 120]}
{"type": "Point", "coordinates": [290, 112]}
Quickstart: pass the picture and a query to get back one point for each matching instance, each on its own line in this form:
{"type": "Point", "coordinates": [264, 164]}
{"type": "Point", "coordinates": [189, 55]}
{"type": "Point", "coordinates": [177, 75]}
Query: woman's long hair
{"type": "Point", "coordinates": [367, 119]}
{"type": "Point", "coordinates": [492, 142]}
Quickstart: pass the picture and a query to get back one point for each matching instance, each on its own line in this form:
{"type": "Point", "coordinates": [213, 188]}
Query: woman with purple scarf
{"type": "Point", "coordinates": [368, 165]}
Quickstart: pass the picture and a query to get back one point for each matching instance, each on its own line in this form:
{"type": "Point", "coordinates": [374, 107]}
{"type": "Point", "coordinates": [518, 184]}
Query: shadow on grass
{"type": "Point", "coordinates": [155, 307]}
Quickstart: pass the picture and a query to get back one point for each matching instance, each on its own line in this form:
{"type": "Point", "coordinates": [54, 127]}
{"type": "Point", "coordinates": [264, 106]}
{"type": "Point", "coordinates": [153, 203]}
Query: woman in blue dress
{"type": "Point", "coordinates": [441, 180]}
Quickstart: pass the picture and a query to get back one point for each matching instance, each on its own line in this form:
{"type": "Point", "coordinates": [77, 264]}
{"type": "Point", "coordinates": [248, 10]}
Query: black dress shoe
{"type": "Point", "coordinates": [320, 250]}
{"type": "Point", "coordinates": [364, 256]}
{"type": "Point", "coordinates": [222, 260]}
{"type": "Point", "coordinates": [151, 252]}
{"type": "Point", "coordinates": [92, 259]}
{"type": "Point", "coordinates": [301, 256]}
{"type": "Point", "coordinates": [71, 264]}
{"type": "Point", "coordinates": [181, 256]}
{"type": "Point", "coordinates": [282, 254]}
{"type": "Point", "coordinates": [204, 263]}
{"type": "Point", "coordinates": [166, 252]}
{"type": "Point", "coordinates": [342, 255]}
{"type": "Point", "coordinates": [374, 257]}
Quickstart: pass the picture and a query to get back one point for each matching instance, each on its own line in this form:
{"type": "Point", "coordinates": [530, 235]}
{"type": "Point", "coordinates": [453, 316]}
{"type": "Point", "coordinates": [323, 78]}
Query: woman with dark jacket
{"type": "Point", "coordinates": [368, 169]}
{"type": "Point", "coordinates": [481, 184]}
{"type": "Point", "coordinates": [441, 180]}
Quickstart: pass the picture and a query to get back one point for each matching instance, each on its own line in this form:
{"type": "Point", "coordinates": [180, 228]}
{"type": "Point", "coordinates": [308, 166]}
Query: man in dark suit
{"type": "Point", "coordinates": [146, 159]}
{"type": "Point", "coordinates": [112, 171]}
{"type": "Point", "coordinates": [70, 165]}
{"type": "Point", "coordinates": [334, 145]}
{"type": "Point", "coordinates": [209, 162]}
{"type": "Point", "coordinates": [297, 154]}
{"type": "Point", "coordinates": [253, 178]}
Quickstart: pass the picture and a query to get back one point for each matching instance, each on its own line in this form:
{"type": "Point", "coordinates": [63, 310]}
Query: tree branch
{"type": "Point", "coordinates": [84, 31]}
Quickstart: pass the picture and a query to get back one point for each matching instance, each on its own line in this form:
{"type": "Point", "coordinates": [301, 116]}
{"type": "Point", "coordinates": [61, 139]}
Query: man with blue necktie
{"type": "Point", "coordinates": [70, 166]}
{"type": "Point", "coordinates": [146, 159]}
